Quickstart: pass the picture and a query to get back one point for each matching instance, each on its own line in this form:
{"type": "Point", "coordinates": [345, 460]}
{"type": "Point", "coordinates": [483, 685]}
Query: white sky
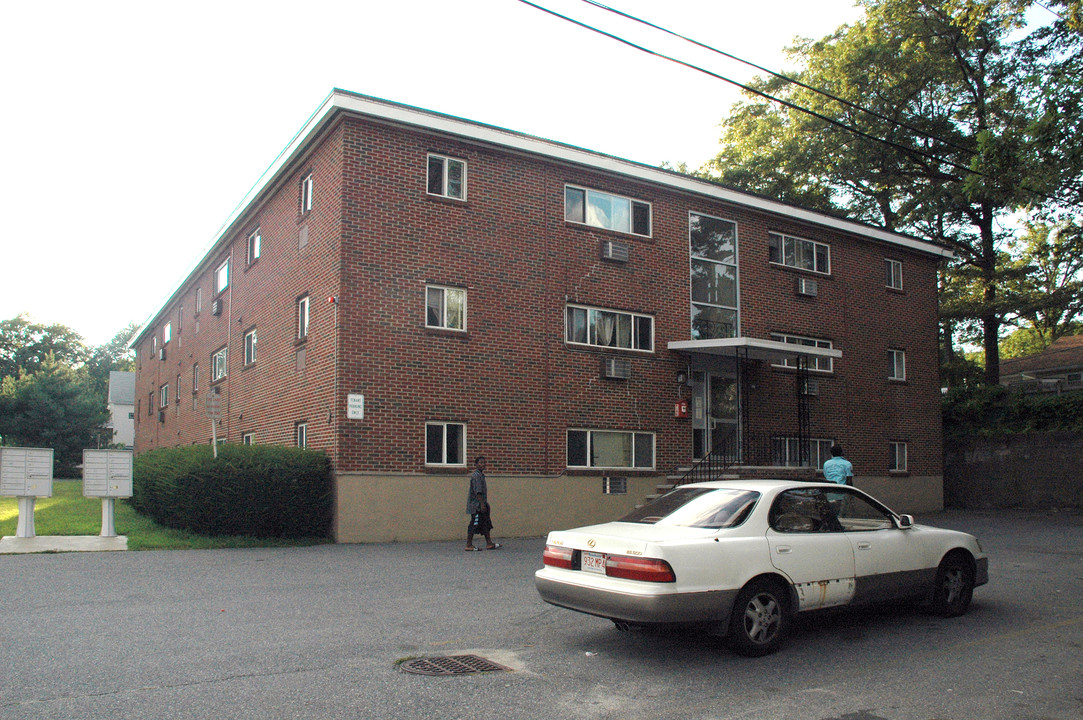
{"type": "Point", "coordinates": [131, 130]}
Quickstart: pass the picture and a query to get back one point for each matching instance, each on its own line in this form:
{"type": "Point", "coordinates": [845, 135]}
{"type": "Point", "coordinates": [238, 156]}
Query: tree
{"type": "Point", "coordinates": [1046, 280]}
{"type": "Point", "coordinates": [25, 345]}
{"type": "Point", "coordinates": [53, 407]}
{"type": "Point", "coordinates": [975, 125]}
{"type": "Point", "coordinates": [114, 355]}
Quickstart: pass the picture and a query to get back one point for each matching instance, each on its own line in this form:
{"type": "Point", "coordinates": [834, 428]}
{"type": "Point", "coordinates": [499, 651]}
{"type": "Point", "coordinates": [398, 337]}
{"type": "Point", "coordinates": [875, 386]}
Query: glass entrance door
{"type": "Point", "coordinates": [722, 406]}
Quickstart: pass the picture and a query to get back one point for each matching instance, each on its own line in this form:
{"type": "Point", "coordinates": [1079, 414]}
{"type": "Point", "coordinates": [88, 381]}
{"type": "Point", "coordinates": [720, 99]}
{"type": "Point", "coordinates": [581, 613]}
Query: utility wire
{"type": "Point", "coordinates": [754, 91]}
{"type": "Point", "coordinates": [780, 76]}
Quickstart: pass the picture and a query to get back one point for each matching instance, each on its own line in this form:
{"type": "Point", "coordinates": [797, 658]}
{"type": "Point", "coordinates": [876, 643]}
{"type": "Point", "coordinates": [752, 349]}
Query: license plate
{"type": "Point", "coordinates": [593, 562]}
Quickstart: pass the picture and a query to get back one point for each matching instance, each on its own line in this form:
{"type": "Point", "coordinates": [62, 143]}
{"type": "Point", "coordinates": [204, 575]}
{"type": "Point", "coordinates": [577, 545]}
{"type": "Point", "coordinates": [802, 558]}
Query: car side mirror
{"type": "Point", "coordinates": [906, 521]}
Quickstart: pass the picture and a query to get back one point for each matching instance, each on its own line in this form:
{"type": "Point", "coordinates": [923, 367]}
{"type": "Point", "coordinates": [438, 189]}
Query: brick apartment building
{"type": "Point", "coordinates": [407, 290]}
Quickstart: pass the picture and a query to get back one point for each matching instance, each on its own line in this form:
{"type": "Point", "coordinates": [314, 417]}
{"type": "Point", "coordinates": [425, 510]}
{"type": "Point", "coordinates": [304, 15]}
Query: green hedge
{"type": "Point", "coordinates": [995, 410]}
{"type": "Point", "coordinates": [256, 490]}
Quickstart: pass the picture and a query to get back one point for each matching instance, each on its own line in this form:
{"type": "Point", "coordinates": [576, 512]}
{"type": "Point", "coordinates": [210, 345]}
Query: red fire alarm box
{"type": "Point", "coordinates": [680, 409]}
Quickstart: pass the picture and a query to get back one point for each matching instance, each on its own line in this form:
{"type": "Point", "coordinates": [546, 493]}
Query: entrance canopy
{"type": "Point", "coordinates": [752, 348]}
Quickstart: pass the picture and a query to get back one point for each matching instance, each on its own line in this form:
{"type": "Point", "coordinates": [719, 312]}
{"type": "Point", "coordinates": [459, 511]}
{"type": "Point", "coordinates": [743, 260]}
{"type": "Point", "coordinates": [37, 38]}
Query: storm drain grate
{"type": "Point", "coordinates": [451, 665]}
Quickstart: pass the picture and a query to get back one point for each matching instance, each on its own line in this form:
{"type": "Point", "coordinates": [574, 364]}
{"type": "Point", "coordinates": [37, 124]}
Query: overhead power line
{"type": "Point", "coordinates": [755, 91]}
{"type": "Point", "coordinates": [780, 76]}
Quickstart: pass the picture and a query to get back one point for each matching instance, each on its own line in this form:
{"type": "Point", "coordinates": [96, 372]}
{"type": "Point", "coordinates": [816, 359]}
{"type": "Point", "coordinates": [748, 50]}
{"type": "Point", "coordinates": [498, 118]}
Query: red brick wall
{"type": "Point", "coordinates": [377, 238]}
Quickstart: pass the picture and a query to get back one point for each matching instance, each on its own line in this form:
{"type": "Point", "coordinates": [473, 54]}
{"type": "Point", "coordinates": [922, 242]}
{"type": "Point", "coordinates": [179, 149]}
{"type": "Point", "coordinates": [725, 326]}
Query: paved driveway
{"type": "Point", "coordinates": [316, 633]}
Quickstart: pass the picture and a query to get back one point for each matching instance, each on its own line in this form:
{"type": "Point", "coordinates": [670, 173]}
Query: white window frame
{"type": "Point", "coordinates": [221, 277]}
{"type": "Point", "coordinates": [790, 455]}
{"type": "Point", "coordinates": [897, 457]}
{"type": "Point", "coordinates": [250, 347]}
{"type": "Point", "coordinates": [816, 364]}
{"type": "Point", "coordinates": [254, 243]}
{"type": "Point", "coordinates": [590, 325]}
{"type": "Point", "coordinates": [444, 323]}
{"type": "Point", "coordinates": [300, 434]}
{"type": "Point", "coordinates": [307, 189]}
{"type": "Point", "coordinates": [896, 362]}
{"type": "Point", "coordinates": [176, 396]}
{"type": "Point", "coordinates": [703, 304]}
{"type": "Point", "coordinates": [195, 378]}
{"type": "Point", "coordinates": [444, 444]}
{"type": "Point", "coordinates": [893, 277]}
{"type": "Point", "coordinates": [219, 358]}
{"type": "Point", "coordinates": [163, 396]}
{"type": "Point", "coordinates": [590, 221]}
{"type": "Point", "coordinates": [199, 300]}
{"type": "Point", "coordinates": [779, 256]}
{"type": "Point", "coordinates": [167, 333]}
{"type": "Point", "coordinates": [445, 170]}
{"type": "Point", "coordinates": [302, 317]}
{"type": "Point", "coordinates": [248, 439]}
{"type": "Point", "coordinates": [590, 437]}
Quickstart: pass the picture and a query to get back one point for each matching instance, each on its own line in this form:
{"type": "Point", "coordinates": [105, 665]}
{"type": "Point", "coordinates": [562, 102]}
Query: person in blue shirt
{"type": "Point", "coordinates": [838, 469]}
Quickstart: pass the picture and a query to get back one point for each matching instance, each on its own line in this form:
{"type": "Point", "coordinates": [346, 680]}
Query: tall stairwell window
{"type": "Point", "coordinates": [713, 250]}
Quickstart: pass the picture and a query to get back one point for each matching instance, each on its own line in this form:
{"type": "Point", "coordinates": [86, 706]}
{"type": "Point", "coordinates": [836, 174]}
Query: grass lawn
{"type": "Point", "coordinates": [67, 512]}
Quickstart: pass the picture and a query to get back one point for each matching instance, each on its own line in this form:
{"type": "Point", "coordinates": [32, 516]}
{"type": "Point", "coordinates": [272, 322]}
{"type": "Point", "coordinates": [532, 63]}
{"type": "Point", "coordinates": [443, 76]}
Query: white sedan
{"type": "Point", "coordinates": [741, 557]}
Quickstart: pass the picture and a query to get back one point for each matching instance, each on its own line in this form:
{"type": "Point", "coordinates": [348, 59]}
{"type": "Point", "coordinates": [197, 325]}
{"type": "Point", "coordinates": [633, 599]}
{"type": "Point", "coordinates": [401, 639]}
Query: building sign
{"type": "Point", "coordinates": [355, 407]}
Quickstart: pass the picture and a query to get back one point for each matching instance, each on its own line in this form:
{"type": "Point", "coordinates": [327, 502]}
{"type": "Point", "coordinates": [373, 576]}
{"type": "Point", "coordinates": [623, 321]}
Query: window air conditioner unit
{"type": "Point", "coordinates": [807, 286]}
{"type": "Point", "coordinates": [216, 306]}
{"type": "Point", "coordinates": [161, 416]}
{"type": "Point", "coordinates": [615, 251]}
{"type": "Point", "coordinates": [811, 387]}
{"type": "Point", "coordinates": [616, 368]}
{"type": "Point", "coordinates": [161, 353]}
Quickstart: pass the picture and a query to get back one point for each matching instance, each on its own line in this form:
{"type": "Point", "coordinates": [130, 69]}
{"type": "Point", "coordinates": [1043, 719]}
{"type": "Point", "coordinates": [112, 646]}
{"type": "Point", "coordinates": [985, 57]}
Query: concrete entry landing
{"type": "Point", "coordinates": [62, 543]}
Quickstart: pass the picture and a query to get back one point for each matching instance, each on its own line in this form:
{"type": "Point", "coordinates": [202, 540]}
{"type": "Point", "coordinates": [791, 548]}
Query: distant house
{"type": "Point", "coordinates": [1058, 368]}
{"type": "Point", "coordinates": [122, 407]}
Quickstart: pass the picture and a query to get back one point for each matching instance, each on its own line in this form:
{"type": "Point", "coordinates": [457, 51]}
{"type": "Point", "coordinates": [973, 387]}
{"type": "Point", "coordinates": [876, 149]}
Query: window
{"type": "Point", "coordinates": [302, 318]}
{"type": "Point", "coordinates": [254, 241]}
{"type": "Point", "coordinates": [896, 365]}
{"type": "Point", "coordinates": [300, 434]}
{"type": "Point", "coordinates": [1074, 379]}
{"type": "Point", "coordinates": [250, 347]}
{"type": "Point", "coordinates": [612, 212]}
{"type": "Point", "coordinates": [248, 438]}
{"type": "Point", "coordinates": [195, 378]}
{"type": "Point", "coordinates": [610, 449]}
{"type": "Point", "coordinates": [713, 251]}
{"type": "Point", "coordinates": [218, 364]}
{"type": "Point", "coordinates": [150, 403]}
{"type": "Point", "coordinates": [819, 364]}
{"type": "Point", "coordinates": [163, 396]}
{"type": "Point", "coordinates": [896, 457]}
{"type": "Point", "coordinates": [445, 307]}
{"type": "Point", "coordinates": [199, 300]}
{"type": "Point", "coordinates": [447, 177]}
{"type": "Point", "coordinates": [608, 328]}
{"type": "Point", "coordinates": [786, 452]}
{"type": "Point", "coordinates": [167, 333]}
{"type": "Point", "coordinates": [306, 193]}
{"type": "Point", "coordinates": [176, 396]}
{"type": "Point", "coordinates": [893, 274]}
{"type": "Point", "coordinates": [797, 253]}
{"type": "Point", "coordinates": [445, 443]}
{"type": "Point", "coordinates": [221, 277]}
{"type": "Point", "coordinates": [822, 510]}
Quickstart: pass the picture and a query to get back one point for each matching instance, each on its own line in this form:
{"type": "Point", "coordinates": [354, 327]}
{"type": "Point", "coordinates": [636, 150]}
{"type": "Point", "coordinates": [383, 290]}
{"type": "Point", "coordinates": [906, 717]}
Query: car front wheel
{"type": "Point", "coordinates": [760, 619]}
{"type": "Point", "coordinates": [954, 587]}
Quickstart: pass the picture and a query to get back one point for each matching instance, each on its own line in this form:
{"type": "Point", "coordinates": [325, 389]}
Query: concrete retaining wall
{"type": "Point", "coordinates": [1036, 471]}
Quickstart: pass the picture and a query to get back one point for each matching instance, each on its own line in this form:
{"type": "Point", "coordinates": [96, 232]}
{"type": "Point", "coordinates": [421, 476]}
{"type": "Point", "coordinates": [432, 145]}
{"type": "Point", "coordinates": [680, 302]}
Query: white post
{"type": "Point", "coordinates": [109, 506]}
{"type": "Point", "coordinates": [214, 437]}
{"type": "Point", "coordinates": [25, 528]}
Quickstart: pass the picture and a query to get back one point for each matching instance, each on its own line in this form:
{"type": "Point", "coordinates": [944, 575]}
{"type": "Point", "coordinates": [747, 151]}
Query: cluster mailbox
{"type": "Point", "coordinates": [107, 473]}
{"type": "Point", "coordinates": [26, 472]}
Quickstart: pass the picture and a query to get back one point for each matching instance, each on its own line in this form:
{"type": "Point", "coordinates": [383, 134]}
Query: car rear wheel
{"type": "Point", "coordinates": [760, 619]}
{"type": "Point", "coordinates": [954, 586]}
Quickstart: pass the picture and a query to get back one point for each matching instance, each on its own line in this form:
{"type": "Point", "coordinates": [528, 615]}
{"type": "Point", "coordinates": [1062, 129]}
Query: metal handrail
{"type": "Point", "coordinates": [712, 465]}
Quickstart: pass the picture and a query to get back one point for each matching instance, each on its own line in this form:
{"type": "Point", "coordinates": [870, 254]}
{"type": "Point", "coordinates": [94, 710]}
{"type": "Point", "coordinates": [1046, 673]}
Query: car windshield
{"type": "Point", "coordinates": [697, 507]}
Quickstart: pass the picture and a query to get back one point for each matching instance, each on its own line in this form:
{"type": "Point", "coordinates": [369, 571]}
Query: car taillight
{"type": "Point", "coordinates": [557, 556]}
{"type": "Point", "coordinates": [635, 568]}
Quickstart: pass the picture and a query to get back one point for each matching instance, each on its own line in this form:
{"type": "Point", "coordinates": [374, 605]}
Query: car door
{"type": "Point", "coordinates": [811, 550]}
{"type": "Point", "coordinates": [889, 562]}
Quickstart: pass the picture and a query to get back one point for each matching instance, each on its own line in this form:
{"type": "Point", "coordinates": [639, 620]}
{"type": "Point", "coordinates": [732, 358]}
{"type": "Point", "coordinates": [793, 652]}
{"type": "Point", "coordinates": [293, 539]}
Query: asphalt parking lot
{"type": "Point", "coordinates": [319, 632]}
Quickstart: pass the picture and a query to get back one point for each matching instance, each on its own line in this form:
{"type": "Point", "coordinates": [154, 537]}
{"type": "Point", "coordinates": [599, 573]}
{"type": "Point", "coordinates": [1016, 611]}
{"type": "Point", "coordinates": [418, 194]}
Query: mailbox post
{"type": "Point", "coordinates": [107, 474]}
{"type": "Point", "coordinates": [26, 473]}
